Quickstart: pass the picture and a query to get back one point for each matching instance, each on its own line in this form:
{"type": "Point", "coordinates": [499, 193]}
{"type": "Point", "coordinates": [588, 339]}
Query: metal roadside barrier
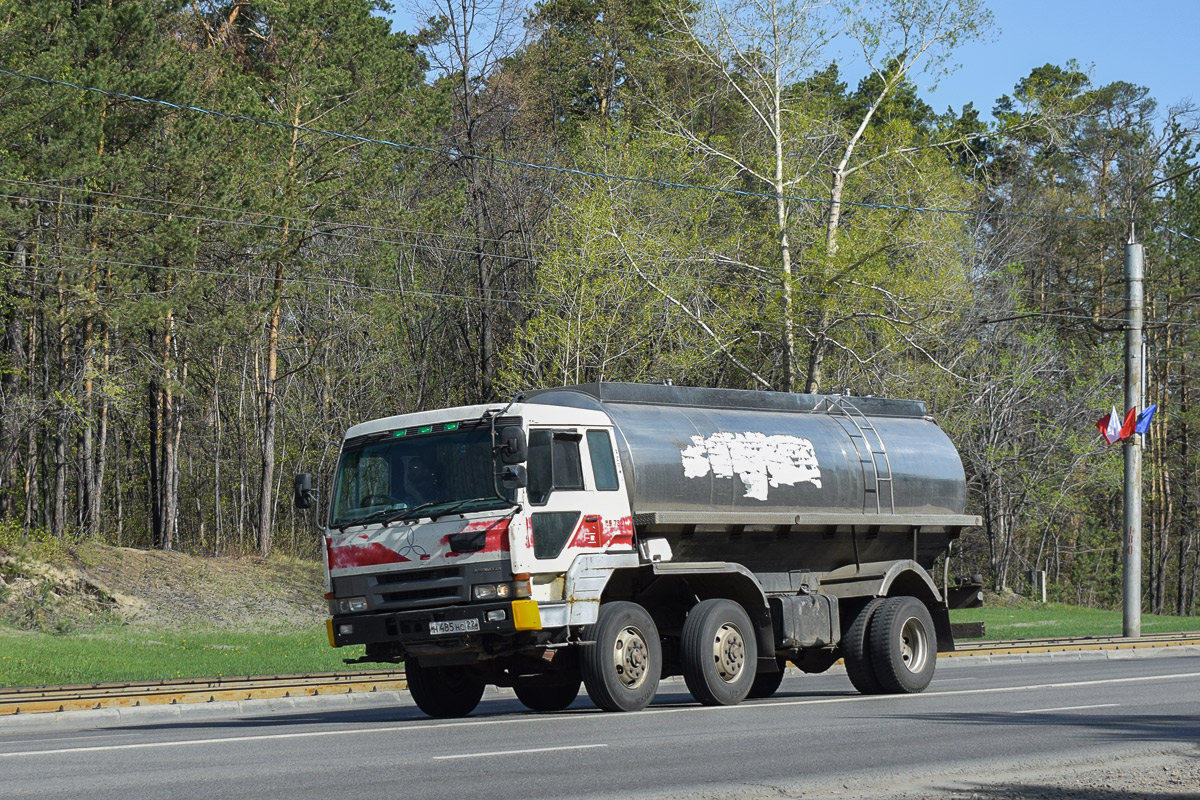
{"type": "Point", "coordinates": [43, 699]}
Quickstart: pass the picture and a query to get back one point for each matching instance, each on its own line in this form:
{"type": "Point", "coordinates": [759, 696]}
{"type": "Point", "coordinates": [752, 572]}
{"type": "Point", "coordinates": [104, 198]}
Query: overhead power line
{"type": "Point", "coordinates": [606, 176]}
{"type": "Point", "coordinates": [329, 228]}
{"type": "Point", "coordinates": [990, 315]}
{"type": "Point", "coordinates": [424, 241]}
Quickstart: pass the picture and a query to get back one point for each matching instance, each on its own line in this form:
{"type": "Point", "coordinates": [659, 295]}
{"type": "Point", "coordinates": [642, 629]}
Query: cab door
{"type": "Point", "coordinates": [575, 497]}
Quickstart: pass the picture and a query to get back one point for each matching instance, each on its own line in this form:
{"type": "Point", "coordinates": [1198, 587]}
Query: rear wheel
{"type": "Point", "coordinates": [542, 694]}
{"type": "Point", "coordinates": [856, 650]}
{"type": "Point", "coordinates": [767, 683]}
{"type": "Point", "coordinates": [452, 691]}
{"type": "Point", "coordinates": [903, 645]}
{"type": "Point", "coordinates": [718, 652]}
{"type": "Point", "coordinates": [623, 663]}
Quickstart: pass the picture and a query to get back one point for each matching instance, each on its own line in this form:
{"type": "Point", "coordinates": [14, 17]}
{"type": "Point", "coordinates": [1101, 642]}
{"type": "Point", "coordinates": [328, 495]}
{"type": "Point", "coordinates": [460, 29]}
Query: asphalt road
{"type": "Point", "coordinates": [815, 738]}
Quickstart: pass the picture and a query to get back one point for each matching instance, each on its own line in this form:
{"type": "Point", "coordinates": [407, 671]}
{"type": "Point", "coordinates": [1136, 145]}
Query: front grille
{"type": "Point", "coordinates": [410, 598]}
{"type": "Point", "coordinates": [419, 588]}
{"type": "Point", "coordinates": [398, 591]}
{"type": "Point", "coordinates": [423, 576]}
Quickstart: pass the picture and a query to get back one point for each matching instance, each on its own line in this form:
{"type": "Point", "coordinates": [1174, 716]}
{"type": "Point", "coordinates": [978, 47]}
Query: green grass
{"type": "Point", "coordinates": [130, 653]}
{"type": "Point", "coordinates": [133, 653]}
{"type": "Point", "coordinates": [1030, 620]}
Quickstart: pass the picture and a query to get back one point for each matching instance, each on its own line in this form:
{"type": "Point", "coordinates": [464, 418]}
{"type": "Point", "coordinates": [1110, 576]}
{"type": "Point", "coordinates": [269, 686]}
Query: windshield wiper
{"type": "Point", "coordinates": [456, 506]}
{"type": "Point", "coordinates": [424, 509]}
{"type": "Point", "coordinates": [384, 515]}
{"type": "Point", "coordinates": [410, 513]}
{"type": "Point", "coordinates": [388, 516]}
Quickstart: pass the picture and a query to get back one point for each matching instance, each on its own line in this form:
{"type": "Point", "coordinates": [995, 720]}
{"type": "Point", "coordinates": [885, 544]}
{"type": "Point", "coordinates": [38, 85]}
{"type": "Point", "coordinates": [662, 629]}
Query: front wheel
{"type": "Point", "coordinates": [718, 652]}
{"type": "Point", "coordinates": [622, 662]}
{"type": "Point", "coordinates": [541, 694]}
{"type": "Point", "coordinates": [903, 645]}
{"type": "Point", "coordinates": [444, 691]}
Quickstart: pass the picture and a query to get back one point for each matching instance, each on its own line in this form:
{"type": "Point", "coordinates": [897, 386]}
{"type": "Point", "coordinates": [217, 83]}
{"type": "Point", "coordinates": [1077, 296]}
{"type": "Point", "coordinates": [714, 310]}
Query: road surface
{"type": "Point", "coordinates": [978, 720]}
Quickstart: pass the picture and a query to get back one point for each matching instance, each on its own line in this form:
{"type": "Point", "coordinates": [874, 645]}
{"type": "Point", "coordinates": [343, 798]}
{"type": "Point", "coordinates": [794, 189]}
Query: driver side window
{"type": "Point", "coordinates": [367, 483]}
{"type": "Point", "coordinates": [554, 464]}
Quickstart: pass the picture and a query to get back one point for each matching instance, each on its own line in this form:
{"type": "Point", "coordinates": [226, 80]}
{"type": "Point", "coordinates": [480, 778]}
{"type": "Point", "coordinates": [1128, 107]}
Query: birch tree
{"type": "Point", "coordinates": [762, 52]}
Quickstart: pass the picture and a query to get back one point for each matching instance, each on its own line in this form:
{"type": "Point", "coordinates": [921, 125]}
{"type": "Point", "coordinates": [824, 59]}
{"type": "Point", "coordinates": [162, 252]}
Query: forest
{"type": "Point", "coordinates": [229, 229]}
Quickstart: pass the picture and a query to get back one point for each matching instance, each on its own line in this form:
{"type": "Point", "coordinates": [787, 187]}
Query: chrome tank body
{"type": "Point", "coordinates": [721, 471]}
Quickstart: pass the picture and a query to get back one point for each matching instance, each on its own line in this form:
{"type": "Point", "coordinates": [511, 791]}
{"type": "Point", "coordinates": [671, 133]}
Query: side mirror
{"type": "Point", "coordinates": [514, 477]}
{"type": "Point", "coordinates": [512, 446]}
{"type": "Point", "coordinates": [303, 495]}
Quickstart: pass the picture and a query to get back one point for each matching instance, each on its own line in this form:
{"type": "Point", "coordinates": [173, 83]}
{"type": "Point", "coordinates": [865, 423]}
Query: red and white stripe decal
{"type": "Point", "coordinates": [397, 546]}
{"type": "Point", "coordinates": [598, 533]}
{"type": "Point", "coordinates": [496, 541]}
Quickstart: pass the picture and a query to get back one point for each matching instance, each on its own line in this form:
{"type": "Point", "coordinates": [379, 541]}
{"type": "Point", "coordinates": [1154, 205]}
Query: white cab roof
{"type": "Point", "coordinates": [532, 414]}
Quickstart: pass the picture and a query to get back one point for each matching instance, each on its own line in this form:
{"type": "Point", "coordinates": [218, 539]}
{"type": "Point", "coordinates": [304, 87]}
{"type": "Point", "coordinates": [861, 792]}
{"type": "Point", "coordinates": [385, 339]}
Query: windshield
{"type": "Point", "coordinates": [435, 473]}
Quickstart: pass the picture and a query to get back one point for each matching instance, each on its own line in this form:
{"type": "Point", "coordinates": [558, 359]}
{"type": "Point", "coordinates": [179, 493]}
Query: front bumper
{"type": "Point", "coordinates": [436, 625]}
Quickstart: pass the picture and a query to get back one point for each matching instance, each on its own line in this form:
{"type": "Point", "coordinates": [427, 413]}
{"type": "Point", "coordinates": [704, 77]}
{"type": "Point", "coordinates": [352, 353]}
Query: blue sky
{"type": "Point", "coordinates": [1152, 43]}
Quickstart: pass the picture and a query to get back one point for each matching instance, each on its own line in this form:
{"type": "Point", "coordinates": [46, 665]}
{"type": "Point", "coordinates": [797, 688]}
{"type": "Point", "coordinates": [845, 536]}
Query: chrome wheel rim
{"type": "Point", "coordinates": [914, 645]}
{"type": "Point", "coordinates": [729, 652]}
{"type": "Point", "coordinates": [631, 657]}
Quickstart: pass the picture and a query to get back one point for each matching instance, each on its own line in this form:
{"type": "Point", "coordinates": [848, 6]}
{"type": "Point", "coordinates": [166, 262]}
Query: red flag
{"type": "Point", "coordinates": [1128, 425]}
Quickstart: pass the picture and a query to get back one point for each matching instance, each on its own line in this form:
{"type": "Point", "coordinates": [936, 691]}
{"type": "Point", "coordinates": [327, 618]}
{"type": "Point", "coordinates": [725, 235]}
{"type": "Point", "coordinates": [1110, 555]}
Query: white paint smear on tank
{"type": "Point", "coordinates": [760, 461]}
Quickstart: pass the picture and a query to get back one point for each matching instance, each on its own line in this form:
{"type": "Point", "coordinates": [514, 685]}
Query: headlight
{"type": "Point", "coordinates": [348, 605]}
{"type": "Point", "coordinates": [492, 591]}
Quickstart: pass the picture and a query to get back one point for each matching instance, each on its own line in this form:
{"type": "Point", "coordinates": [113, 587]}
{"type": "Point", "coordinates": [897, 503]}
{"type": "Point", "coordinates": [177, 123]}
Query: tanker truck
{"type": "Point", "coordinates": [611, 534]}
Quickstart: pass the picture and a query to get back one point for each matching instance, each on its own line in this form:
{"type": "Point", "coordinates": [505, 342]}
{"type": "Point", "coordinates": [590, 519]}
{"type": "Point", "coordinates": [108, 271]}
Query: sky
{"type": "Point", "coordinates": [1151, 43]}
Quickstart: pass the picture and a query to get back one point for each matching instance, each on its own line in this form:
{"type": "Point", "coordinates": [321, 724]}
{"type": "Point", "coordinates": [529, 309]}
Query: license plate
{"type": "Point", "coordinates": [454, 626]}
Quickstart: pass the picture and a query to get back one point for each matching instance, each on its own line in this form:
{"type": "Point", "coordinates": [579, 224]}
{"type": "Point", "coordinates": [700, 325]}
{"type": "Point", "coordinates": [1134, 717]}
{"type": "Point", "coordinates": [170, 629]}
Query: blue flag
{"type": "Point", "coordinates": [1143, 419]}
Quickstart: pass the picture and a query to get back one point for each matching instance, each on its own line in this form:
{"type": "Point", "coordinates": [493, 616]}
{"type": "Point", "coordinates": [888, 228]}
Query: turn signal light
{"type": "Point", "coordinates": [329, 632]}
{"type": "Point", "coordinates": [492, 591]}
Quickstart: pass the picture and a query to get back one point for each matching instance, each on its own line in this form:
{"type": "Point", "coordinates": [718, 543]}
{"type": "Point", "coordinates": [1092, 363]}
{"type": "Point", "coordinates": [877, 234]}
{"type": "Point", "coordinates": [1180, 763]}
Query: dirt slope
{"type": "Point", "coordinates": [91, 584]}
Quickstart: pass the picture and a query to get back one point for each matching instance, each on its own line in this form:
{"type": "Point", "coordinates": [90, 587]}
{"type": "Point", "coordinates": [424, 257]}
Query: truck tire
{"type": "Point", "coordinates": [766, 684]}
{"type": "Point", "coordinates": [622, 662]}
{"type": "Point", "coordinates": [444, 691]}
{"type": "Point", "coordinates": [718, 652]}
{"type": "Point", "coordinates": [541, 694]}
{"type": "Point", "coordinates": [903, 645]}
{"type": "Point", "coordinates": [856, 650]}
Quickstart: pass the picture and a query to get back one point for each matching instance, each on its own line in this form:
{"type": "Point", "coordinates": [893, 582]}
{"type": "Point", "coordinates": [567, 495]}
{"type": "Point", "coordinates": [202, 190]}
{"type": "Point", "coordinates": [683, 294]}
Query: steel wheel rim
{"type": "Point", "coordinates": [914, 645]}
{"type": "Point", "coordinates": [631, 657]}
{"type": "Point", "coordinates": [729, 652]}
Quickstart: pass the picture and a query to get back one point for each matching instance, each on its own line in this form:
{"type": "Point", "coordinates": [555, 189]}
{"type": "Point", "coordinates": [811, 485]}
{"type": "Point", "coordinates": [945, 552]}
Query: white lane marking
{"type": "Point", "coordinates": [97, 735]}
{"type": "Point", "coordinates": [520, 752]}
{"type": "Point", "coordinates": [543, 719]}
{"type": "Point", "coordinates": [187, 742]}
{"type": "Point", "coordinates": [953, 693]}
{"type": "Point", "coordinates": [1065, 708]}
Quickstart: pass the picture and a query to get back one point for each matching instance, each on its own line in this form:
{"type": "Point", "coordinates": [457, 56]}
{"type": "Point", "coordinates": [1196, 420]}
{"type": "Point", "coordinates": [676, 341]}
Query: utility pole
{"type": "Point", "coordinates": [1135, 374]}
{"type": "Point", "coordinates": [1132, 619]}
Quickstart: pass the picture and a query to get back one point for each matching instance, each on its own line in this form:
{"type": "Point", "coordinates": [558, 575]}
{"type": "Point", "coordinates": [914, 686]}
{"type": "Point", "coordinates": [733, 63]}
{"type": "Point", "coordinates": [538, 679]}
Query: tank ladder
{"type": "Point", "coordinates": [872, 454]}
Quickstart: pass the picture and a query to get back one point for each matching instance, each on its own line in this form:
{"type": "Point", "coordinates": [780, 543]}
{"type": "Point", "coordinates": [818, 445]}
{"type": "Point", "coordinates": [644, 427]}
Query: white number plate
{"type": "Point", "coordinates": [454, 626]}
